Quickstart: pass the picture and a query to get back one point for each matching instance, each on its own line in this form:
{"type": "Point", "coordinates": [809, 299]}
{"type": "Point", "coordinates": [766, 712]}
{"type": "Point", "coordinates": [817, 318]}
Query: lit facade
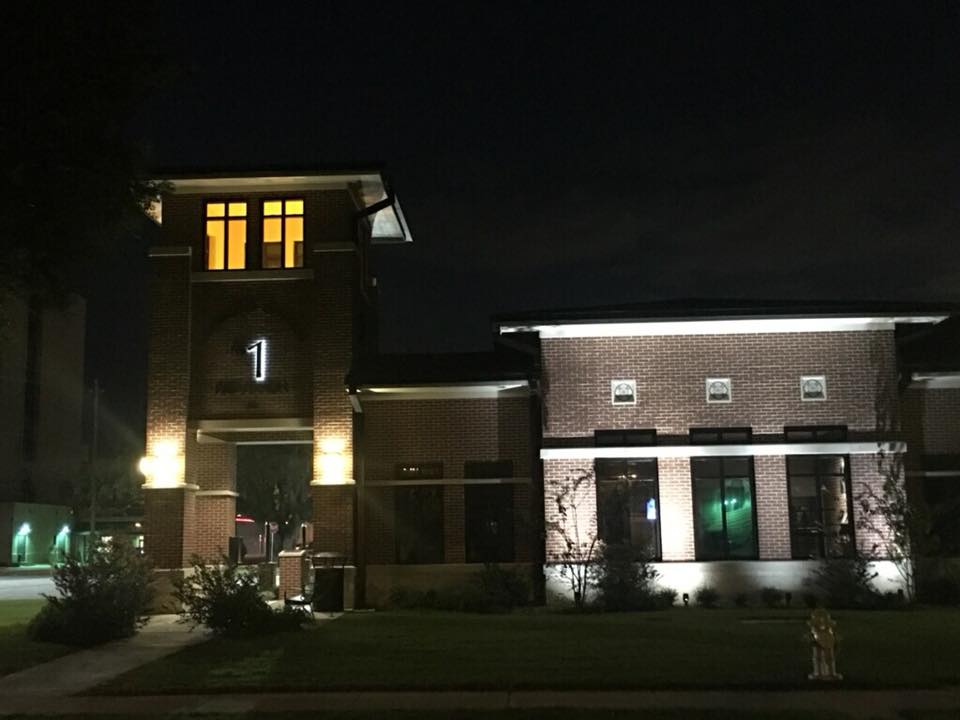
{"type": "Point", "coordinates": [727, 446]}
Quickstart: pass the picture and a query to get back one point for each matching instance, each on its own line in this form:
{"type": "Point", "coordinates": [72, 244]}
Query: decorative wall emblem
{"type": "Point", "coordinates": [813, 387]}
{"type": "Point", "coordinates": [719, 390]}
{"type": "Point", "coordinates": [623, 392]}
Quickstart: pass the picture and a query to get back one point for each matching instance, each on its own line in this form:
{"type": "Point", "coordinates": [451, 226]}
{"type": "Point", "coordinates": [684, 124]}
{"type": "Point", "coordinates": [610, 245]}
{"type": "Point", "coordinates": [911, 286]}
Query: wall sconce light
{"type": "Point", "coordinates": [686, 599]}
{"type": "Point", "coordinates": [331, 462]}
{"type": "Point", "coordinates": [24, 530]}
{"type": "Point", "coordinates": [164, 468]}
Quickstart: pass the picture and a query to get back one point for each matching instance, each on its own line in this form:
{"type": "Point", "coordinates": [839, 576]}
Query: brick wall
{"type": "Point", "coordinates": [169, 529]}
{"type": "Point", "coordinates": [453, 432]}
{"type": "Point", "coordinates": [765, 371]}
{"type": "Point", "coordinates": [773, 518]}
{"type": "Point", "coordinates": [333, 518]}
{"type": "Point", "coordinates": [215, 524]}
{"type": "Point", "coordinates": [931, 420]}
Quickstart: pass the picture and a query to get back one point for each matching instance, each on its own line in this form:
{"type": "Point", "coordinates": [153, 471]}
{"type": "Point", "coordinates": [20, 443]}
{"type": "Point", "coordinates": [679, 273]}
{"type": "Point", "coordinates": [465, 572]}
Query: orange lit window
{"type": "Point", "coordinates": [283, 233]}
{"type": "Point", "coordinates": [226, 226]}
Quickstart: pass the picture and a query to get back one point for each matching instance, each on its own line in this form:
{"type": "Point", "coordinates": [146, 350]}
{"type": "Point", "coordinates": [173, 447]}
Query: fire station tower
{"type": "Point", "coordinates": [261, 299]}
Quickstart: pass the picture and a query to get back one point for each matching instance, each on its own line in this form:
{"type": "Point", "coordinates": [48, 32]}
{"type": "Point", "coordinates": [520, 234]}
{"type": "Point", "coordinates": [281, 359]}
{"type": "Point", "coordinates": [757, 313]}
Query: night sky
{"type": "Point", "coordinates": [569, 154]}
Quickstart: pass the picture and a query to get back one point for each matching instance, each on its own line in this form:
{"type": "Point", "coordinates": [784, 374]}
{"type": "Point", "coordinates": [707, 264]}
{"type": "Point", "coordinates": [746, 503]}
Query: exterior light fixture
{"type": "Point", "coordinates": [164, 468]}
{"type": "Point", "coordinates": [24, 530]}
{"type": "Point", "coordinates": [331, 462]}
{"type": "Point", "coordinates": [686, 599]}
{"type": "Point", "coordinates": [65, 530]}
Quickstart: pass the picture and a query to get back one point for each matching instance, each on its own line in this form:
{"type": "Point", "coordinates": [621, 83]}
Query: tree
{"type": "Point", "coordinates": [273, 482]}
{"type": "Point", "coordinates": [580, 543]}
{"type": "Point", "coordinates": [73, 76]}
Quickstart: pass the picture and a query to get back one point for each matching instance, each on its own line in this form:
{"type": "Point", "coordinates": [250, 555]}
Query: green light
{"type": "Point", "coordinates": [24, 530]}
{"type": "Point", "coordinates": [65, 530]}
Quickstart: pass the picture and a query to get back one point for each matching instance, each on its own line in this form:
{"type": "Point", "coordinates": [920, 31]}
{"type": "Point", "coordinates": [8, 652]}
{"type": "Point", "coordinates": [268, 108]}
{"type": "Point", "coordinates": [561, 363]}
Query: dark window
{"type": "Point", "coordinates": [724, 517]}
{"type": "Point", "coordinates": [419, 471]}
{"type": "Point", "coordinates": [628, 505]}
{"type": "Point", "coordinates": [721, 436]}
{"type": "Point", "coordinates": [815, 433]}
{"type": "Point", "coordinates": [31, 388]}
{"type": "Point", "coordinates": [488, 512]}
{"type": "Point", "coordinates": [282, 233]}
{"type": "Point", "coordinates": [624, 438]}
{"type": "Point", "coordinates": [942, 495]}
{"type": "Point", "coordinates": [820, 506]}
{"type": "Point", "coordinates": [418, 523]}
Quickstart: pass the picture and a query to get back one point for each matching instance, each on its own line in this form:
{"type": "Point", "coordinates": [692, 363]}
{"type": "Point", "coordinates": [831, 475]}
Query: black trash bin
{"type": "Point", "coordinates": [328, 582]}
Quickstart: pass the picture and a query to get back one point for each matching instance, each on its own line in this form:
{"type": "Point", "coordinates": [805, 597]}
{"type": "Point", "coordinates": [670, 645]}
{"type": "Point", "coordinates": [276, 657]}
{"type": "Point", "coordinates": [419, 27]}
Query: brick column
{"type": "Point", "coordinates": [773, 508]}
{"type": "Point", "coordinates": [454, 550]}
{"type": "Point", "coordinates": [332, 486]}
{"type": "Point", "coordinates": [169, 502]}
{"type": "Point", "coordinates": [212, 467]}
{"type": "Point", "coordinates": [676, 509]}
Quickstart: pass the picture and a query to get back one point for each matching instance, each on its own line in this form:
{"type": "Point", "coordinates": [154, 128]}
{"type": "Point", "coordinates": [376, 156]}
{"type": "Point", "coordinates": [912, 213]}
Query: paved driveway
{"type": "Point", "coordinates": [13, 587]}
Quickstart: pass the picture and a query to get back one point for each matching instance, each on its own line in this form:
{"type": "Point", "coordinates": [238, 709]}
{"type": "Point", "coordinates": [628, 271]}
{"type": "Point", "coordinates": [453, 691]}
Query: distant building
{"type": "Point", "coordinates": [725, 442]}
{"type": "Point", "coordinates": [41, 393]}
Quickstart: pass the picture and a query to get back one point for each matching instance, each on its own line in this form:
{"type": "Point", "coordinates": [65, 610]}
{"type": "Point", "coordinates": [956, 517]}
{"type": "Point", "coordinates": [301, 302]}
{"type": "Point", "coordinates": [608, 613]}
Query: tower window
{"type": "Point", "coordinates": [226, 227]}
{"type": "Point", "coordinates": [283, 233]}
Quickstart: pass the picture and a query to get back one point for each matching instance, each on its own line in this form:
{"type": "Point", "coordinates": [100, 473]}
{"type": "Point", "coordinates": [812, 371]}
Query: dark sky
{"type": "Point", "coordinates": [565, 154]}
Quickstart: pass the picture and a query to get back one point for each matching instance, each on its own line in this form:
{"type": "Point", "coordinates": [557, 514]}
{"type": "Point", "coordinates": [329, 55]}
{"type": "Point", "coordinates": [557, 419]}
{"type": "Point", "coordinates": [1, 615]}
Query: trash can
{"type": "Point", "coordinates": [328, 582]}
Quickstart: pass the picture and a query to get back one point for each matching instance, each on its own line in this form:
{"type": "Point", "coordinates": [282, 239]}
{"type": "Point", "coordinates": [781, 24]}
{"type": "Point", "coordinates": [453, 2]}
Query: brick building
{"type": "Point", "coordinates": [727, 443]}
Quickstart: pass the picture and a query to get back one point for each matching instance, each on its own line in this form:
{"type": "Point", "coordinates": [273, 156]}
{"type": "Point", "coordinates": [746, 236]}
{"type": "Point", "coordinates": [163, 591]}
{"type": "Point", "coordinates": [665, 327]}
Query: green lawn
{"type": "Point", "coordinates": [17, 651]}
{"type": "Point", "coordinates": [681, 648]}
{"type": "Point", "coordinates": [549, 714]}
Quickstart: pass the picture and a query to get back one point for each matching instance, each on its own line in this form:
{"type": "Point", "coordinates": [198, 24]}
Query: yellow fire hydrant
{"type": "Point", "coordinates": [823, 639]}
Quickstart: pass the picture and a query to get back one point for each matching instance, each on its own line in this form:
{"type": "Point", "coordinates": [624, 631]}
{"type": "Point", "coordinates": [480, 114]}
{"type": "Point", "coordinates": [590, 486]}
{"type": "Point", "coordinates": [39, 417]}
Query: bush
{"type": "Point", "coordinates": [707, 597]}
{"type": "Point", "coordinates": [845, 584]}
{"type": "Point", "coordinates": [771, 597]}
{"type": "Point", "coordinates": [625, 583]}
{"type": "Point", "coordinates": [105, 599]}
{"type": "Point", "coordinates": [665, 598]}
{"type": "Point", "coordinates": [227, 601]}
{"type": "Point", "coordinates": [811, 600]}
{"type": "Point", "coordinates": [493, 590]}
{"type": "Point", "coordinates": [741, 600]}
{"type": "Point", "coordinates": [503, 588]}
{"type": "Point", "coordinates": [942, 590]}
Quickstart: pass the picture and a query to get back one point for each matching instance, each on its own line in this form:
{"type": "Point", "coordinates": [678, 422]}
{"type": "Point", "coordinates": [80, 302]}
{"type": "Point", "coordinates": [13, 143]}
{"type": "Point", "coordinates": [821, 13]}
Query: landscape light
{"type": "Point", "coordinates": [24, 530]}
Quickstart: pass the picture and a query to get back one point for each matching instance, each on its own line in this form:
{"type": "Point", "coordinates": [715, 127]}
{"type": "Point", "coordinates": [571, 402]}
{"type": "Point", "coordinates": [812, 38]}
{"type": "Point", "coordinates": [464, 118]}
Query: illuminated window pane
{"type": "Point", "coordinates": [215, 209]}
{"type": "Point", "coordinates": [214, 245]}
{"type": "Point", "coordinates": [294, 207]}
{"type": "Point", "coordinates": [271, 230]}
{"type": "Point", "coordinates": [237, 244]}
{"type": "Point", "coordinates": [294, 228]}
{"type": "Point", "coordinates": [273, 207]}
{"type": "Point", "coordinates": [293, 254]}
{"type": "Point", "coordinates": [272, 255]}
{"type": "Point", "coordinates": [238, 209]}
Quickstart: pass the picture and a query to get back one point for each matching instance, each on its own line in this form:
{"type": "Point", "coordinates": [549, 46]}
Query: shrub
{"type": "Point", "coordinates": [771, 597]}
{"type": "Point", "coordinates": [707, 597]}
{"type": "Point", "coordinates": [665, 598]}
{"type": "Point", "coordinates": [101, 600]}
{"type": "Point", "coordinates": [625, 583]}
{"type": "Point", "coordinates": [741, 600]}
{"type": "Point", "coordinates": [942, 590]}
{"type": "Point", "coordinates": [811, 600]}
{"type": "Point", "coordinates": [845, 584]}
{"type": "Point", "coordinates": [227, 601]}
{"type": "Point", "coordinates": [503, 588]}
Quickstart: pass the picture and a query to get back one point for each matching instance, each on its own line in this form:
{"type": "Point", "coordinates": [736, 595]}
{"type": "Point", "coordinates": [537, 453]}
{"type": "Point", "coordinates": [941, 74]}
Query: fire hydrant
{"type": "Point", "coordinates": [823, 639]}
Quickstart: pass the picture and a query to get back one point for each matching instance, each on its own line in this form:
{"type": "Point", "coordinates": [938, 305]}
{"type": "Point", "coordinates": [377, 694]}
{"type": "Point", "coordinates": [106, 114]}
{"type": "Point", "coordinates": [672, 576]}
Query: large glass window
{"type": "Point", "coordinates": [628, 505]}
{"type": "Point", "coordinates": [418, 523]}
{"type": "Point", "coordinates": [488, 512]}
{"type": "Point", "coordinates": [226, 231]}
{"type": "Point", "coordinates": [820, 506]}
{"type": "Point", "coordinates": [283, 233]}
{"type": "Point", "coordinates": [724, 515]}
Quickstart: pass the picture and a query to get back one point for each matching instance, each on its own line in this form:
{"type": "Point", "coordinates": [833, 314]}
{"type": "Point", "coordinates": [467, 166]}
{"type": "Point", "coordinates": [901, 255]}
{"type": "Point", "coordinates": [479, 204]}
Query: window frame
{"type": "Point", "coordinates": [658, 533]}
{"type": "Point", "coordinates": [283, 231]}
{"type": "Point", "coordinates": [746, 430]}
{"type": "Point", "coordinates": [226, 202]}
{"type": "Point", "coordinates": [644, 437]}
{"type": "Point", "coordinates": [699, 556]}
{"type": "Point", "coordinates": [819, 478]}
{"type": "Point", "coordinates": [418, 527]}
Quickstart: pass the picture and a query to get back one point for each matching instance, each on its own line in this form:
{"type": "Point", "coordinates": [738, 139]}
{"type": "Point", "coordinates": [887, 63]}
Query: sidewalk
{"type": "Point", "coordinates": [85, 669]}
{"type": "Point", "coordinates": [856, 703]}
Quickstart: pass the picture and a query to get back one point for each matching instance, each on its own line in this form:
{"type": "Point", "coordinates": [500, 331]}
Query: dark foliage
{"type": "Point", "coordinates": [226, 600]}
{"type": "Point", "coordinates": [493, 590]}
{"type": "Point", "coordinates": [942, 590]}
{"type": "Point", "coordinates": [771, 597]}
{"type": "Point", "coordinates": [845, 583]}
{"type": "Point", "coordinates": [707, 597]}
{"type": "Point", "coordinates": [741, 600]}
{"type": "Point", "coordinates": [104, 599]}
{"type": "Point", "coordinates": [811, 600]}
{"type": "Point", "coordinates": [625, 583]}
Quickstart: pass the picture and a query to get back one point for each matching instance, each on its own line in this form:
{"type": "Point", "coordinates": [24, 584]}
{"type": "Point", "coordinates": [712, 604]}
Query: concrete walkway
{"type": "Point", "coordinates": [877, 705]}
{"type": "Point", "coordinates": [85, 669]}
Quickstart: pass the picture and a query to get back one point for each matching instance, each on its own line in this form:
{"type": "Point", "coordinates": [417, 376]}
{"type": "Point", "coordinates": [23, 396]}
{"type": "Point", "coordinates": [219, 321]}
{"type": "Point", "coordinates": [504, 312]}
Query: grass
{"type": "Point", "coordinates": [681, 648]}
{"type": "Point", "coordinates": [544, 714]}
{"type": "Point", "coordinates": [17, 651]}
